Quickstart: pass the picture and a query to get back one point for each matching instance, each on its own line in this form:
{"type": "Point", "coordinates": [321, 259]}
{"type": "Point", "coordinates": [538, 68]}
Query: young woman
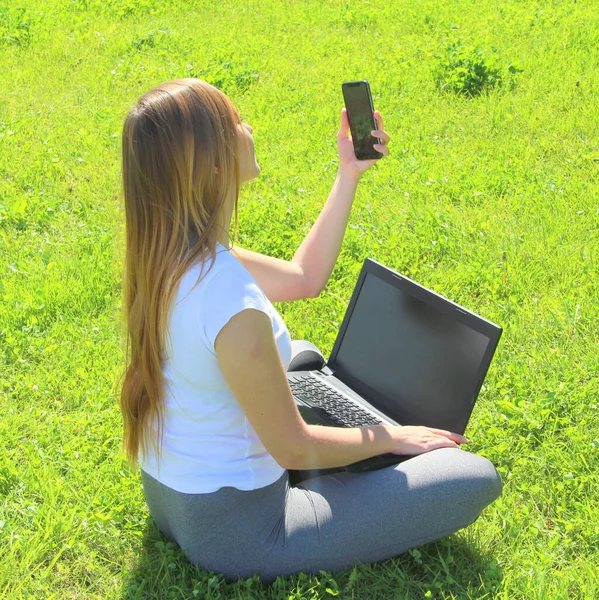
{"type": "Point", "coordinates": [207, 409]}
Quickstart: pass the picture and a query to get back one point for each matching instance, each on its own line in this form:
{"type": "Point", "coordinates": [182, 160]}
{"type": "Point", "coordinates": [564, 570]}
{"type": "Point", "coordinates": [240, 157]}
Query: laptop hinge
{"type": "Point", "coordinates": [326, 370]}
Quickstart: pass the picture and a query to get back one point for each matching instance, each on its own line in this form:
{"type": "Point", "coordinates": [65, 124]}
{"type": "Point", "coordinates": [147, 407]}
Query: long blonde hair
{"type": "Point", "coordinates": [180, 164]}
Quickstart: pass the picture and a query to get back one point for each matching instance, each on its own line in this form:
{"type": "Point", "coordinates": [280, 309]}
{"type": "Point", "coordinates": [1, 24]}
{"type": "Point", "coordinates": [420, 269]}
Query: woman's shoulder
{"type": "Point", "coordinates": [209, 297]}
{"type": "Point", "coordinates": [225, 272]}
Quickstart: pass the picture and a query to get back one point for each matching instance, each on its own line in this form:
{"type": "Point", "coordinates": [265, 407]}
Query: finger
{"type": "Point", "coordinates": [344, 125]}
{"type": "Point", "coordinates": [383, 135]}
{"type": "Point", "coordinates": [442, 443]}
{"type": "Point", "coordinates": [382, 149]}
{"type": "Point", "coordinates": [451, 435]}
{"type": "Point", "coordinates": [379, 119]}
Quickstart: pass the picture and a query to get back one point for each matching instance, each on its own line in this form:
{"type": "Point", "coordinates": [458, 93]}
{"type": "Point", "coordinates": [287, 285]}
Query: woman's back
{"type": "Point", "coordinates": [207, 441]}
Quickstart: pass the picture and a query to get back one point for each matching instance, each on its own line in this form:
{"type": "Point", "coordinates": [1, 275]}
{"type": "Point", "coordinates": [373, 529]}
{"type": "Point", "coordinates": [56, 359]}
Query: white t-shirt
{"type": "Point", "coordinates": [208, 443]}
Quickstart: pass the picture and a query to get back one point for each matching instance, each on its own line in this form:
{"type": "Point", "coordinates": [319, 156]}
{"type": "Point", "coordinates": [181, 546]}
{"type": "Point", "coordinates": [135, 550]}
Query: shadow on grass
{"type": "Point", "coordinates": [453, 567]}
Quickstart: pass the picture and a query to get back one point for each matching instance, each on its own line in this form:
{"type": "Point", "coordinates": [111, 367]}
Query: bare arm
{"type": "Point", "coordinates": [312, 264]}
{"type": "Point", "coordinates": [252, 367]}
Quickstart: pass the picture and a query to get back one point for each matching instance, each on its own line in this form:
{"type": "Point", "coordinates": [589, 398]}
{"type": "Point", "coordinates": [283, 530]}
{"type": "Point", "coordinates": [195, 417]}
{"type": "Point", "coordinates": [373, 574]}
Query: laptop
{"type": "Point", "coordinates": [404, 355]}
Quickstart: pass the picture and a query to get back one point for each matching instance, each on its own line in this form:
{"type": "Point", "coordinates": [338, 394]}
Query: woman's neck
{"type": "Point", "coordinates": [225, 222]}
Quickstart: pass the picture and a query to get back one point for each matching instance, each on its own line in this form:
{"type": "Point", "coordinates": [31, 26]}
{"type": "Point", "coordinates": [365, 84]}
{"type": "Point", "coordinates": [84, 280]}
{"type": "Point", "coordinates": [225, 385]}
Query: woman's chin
{"type": "Point", "coordinates": [249, 176]}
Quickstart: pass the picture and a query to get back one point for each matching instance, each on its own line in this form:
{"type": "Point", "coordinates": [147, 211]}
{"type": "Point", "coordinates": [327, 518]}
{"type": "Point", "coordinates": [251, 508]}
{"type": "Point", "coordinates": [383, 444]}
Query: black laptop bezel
{"type": "Point", "coordinates": [440, 303]}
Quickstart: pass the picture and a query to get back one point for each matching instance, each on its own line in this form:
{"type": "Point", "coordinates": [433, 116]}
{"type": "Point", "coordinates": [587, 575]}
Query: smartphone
{"type": "Point", "coordinates": [360, 113]}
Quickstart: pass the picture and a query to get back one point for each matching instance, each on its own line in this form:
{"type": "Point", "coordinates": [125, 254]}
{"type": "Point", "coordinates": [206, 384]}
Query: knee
{"type": "Point", "coordinates": [473, 480]}
{"type": "Point", "coordinates": [497, 484]}
{"type": "Point", "coordinates": [487, 483]}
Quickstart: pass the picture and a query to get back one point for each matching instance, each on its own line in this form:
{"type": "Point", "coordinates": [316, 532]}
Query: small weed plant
{"type": "Point", "coordinates": [15, 26]}
{"type": "Point", "coordinates": [467, 70]}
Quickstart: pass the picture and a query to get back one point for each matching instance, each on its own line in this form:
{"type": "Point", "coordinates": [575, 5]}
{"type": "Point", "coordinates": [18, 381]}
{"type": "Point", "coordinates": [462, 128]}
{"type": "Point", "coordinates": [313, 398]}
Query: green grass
{"type": "Point", "coordinates": [492, 200]}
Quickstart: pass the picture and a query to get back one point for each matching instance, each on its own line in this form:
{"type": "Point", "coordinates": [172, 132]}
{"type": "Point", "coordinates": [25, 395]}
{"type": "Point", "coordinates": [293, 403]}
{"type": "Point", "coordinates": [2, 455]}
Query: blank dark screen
{"type": "Point", "coordinates": [422, 364]}
{"type": "Point", "coordinates": [360, 115]}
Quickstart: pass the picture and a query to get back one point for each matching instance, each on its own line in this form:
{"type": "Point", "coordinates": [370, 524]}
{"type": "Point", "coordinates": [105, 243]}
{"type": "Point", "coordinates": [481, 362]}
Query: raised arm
{"type": "Point", "coordinates": [311, 266]}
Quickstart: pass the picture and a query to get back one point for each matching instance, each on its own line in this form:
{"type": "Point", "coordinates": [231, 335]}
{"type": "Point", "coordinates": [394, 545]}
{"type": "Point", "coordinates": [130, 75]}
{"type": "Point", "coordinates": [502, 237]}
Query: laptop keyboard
{"type": "Point", "coordinates": [336, 406]}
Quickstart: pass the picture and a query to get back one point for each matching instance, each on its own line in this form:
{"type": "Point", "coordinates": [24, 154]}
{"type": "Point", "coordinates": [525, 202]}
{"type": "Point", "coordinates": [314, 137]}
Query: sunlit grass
{"type": "Point", "coordinates": [492, 201]}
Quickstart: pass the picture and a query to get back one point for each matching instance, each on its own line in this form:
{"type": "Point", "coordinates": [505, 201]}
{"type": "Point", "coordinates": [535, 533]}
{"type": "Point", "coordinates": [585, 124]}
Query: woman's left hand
{"type": "Point", "coordinates": [348, 162]}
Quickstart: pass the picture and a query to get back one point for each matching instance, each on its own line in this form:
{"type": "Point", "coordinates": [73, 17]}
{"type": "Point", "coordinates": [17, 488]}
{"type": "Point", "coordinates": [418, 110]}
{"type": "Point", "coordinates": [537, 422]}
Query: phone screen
{"type": "Point", "coordinates": [358, 103]}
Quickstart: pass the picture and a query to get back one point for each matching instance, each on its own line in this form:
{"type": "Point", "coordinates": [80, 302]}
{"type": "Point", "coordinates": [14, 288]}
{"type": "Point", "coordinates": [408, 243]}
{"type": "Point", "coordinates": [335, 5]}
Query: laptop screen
{"type": "Point", "coordinates": [412, 356]}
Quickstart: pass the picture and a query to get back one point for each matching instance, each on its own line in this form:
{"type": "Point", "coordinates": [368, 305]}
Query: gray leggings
{"type": "Point", "coordinates": [326, 522]}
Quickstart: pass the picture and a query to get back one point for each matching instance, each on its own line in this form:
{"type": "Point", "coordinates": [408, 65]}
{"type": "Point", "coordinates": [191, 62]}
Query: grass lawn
{"type": "Point", "coordinates": [490, 199]}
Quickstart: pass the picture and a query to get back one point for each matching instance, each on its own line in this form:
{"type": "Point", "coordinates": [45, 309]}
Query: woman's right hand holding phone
{"type": "Point", "coordinates": [348, 163]}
